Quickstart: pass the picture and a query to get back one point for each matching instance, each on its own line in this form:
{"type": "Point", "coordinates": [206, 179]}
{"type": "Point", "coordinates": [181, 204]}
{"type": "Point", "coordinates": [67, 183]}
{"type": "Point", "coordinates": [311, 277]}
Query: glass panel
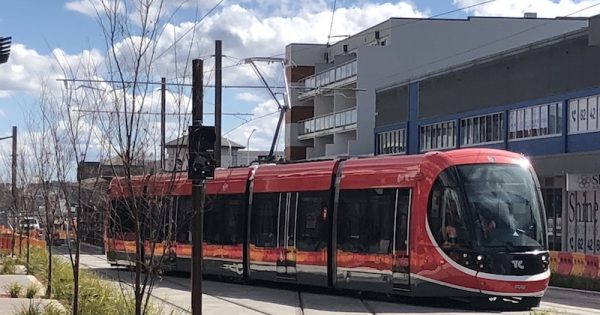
{"type": "Point", "coordinates": [402, 220]}
{"type": "Point", "coordinates": [475, 130]}
{"type": "Point", "coordinates": [444, 135]}
{"type": "Point", "coordinates": [488, 128]}
{"type": "Point", "coordinates": [366, 220]}
{"type": "Point", "coordinates": [552, 120]}
{"type": "Point", "coordinates": [225, 220]}
{"type": "Point", "coordinates": [506, 203]}
{"type": "Point", "coordinates": [422, 139]}
{"type": "Point", "coordinates": [312, 225]}
{"type": "Point", "coordinates": [338, 73]}
{"type": "Point", "coordinates": [559, 118]}
{"type": "Point", "coordinates": [263, 227]}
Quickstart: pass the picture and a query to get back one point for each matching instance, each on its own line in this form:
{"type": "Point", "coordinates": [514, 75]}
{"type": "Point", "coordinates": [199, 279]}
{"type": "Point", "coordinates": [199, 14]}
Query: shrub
{"type": "Point", "coordinates": [32, 290]}
{"type": "Point", "coordinates": [8, 266]}
{"type": "Point", "coordinates": [575, 282]}
{"type": "Point", "coordinates": [32, 309]}
{"type": "Point", "coordinates": [96, 296]}
{"type": "Point", "coordinates": [51, 309]}
{"type": "Point", "coordinates": [14, 289]}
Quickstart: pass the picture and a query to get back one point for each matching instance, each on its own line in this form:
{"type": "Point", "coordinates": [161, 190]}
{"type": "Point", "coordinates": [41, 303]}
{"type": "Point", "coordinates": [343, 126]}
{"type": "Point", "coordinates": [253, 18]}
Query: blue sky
{"type": "Point", "coordinates": [48, 33]}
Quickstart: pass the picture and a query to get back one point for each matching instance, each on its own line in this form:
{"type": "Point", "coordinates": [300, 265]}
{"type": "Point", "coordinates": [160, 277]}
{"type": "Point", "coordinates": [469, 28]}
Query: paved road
{"type": "Point", "coordinates": [173, 293]}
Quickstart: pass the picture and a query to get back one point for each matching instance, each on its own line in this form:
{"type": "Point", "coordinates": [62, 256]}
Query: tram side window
{"type": "Point", "coordinates": [263, 226]}
{"type": "Point", "coordinates": [402, 218]}
{"type": "Point", "coordinates": [155, 218]}
{"type": "Point", "coordinates": [366, 220]}
{"type": "Point", "coordinates": [446, 217]}
{"type": "Point", "coordinates": [312, 227]}
{"type": "Point", "coordinates": [224, 220]}
{"type": "Point", "coordinates": [184, 214]}
{"type": "Point", "coordinates": [121, 221]}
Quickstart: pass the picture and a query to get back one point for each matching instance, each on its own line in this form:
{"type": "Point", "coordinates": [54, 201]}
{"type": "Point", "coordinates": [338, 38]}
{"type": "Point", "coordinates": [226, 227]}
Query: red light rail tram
{"type": "Point", "coordinates": [461, 223]}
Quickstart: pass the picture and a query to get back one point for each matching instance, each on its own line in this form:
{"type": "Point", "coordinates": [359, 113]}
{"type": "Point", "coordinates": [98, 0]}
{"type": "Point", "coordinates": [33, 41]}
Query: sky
{"type": "Point", "coordinates": [51, 36]}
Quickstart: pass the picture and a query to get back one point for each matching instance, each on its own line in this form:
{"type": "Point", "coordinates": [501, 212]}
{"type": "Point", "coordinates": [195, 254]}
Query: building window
{"type": "Point", "coordinates": [390, 142]}
{"type": "Point", "coordinates": [438, 136]}
{"type": "Point", "coordinates": [583, 115]}
{"type": "Point", "coordinates": [535, 121]}
{"type": "Point", "coordinates": [482, 129]}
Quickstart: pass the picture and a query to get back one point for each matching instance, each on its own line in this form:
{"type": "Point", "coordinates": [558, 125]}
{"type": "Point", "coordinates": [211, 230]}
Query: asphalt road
{"type": "Point", "coordinates": [173, 294]}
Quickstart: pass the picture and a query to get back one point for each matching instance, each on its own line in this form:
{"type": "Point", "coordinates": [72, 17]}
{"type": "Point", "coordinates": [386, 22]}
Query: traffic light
{"type": "Point", "coordinates": [201, 147]}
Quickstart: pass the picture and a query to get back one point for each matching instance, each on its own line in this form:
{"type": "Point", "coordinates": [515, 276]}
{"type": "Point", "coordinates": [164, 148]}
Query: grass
{"type": "Point", "coordinates": [14, 289]}
{"type": "Point", "coordinates": [96, 296]}
{"type": "Point", "coordinates": [8, 266]}
{"type": "Point", "coordinates": [575, 282]}
{"type": "Point", "coordinates": [32, 290]}
{"type": "Point", "coordinates": [31, 309]}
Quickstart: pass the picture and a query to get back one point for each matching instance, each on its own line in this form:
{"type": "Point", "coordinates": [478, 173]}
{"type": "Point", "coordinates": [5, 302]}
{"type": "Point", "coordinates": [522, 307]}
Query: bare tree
{"type": "Point", "coordinates": [132, 30]}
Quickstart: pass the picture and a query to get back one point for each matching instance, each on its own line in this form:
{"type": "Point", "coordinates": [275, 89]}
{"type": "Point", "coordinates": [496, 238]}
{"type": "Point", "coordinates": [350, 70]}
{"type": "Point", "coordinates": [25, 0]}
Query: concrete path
{"type": "Point", "coordinates": [10, 306]}
{"type": "Point", "coordinates": [25, 281]}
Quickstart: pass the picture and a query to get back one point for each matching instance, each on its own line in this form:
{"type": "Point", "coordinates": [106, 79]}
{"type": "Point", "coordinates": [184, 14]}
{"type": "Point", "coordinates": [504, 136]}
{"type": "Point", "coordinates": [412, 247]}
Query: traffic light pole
{"type": "Point", "coordinates": [197, 192]}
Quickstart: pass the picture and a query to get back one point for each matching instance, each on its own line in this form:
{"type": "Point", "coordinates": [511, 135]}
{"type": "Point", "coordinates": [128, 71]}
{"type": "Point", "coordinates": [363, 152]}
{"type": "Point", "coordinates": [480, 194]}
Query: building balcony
{"type": "Point", "coordinates": [328, 124]}
{"type": "Point", "coordinates": [331, 76]}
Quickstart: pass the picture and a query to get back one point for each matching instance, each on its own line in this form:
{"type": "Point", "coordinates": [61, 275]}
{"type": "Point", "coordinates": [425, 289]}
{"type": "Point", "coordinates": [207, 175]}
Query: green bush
{"type": "Point", "coordinates": [14, 289]}
{"type": "Point", "coordinates": [32, 290]}
{"type": "Point", "coordinates": [96, 296]}
{"type": "Point", "coordinates": [51, 309]}
{"type": "Point", "coordinates": [8, 266]}
{"type": "Point", "coordinates": [575, 282]}
{"type": "Point", "coordinates": [32, 309]}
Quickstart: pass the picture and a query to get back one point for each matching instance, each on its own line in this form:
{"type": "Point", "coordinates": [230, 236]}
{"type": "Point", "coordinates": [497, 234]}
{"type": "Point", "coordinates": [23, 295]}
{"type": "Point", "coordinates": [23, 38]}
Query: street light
{"type": "Point", "coordinates": [248, 147]}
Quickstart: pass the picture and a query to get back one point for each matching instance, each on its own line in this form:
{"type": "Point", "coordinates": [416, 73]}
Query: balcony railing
{"type": "Point", "coordinates": [325, 122]}
{"type": "Point", "coordinates": [330, 76]}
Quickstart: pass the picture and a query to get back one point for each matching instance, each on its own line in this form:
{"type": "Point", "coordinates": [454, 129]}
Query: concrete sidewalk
{"type": "Point", "coordinates": [11, 306]}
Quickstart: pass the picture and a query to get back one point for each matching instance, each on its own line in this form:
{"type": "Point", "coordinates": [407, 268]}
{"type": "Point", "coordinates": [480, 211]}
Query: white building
{"type": "Point", "coordinates": [334, 86]}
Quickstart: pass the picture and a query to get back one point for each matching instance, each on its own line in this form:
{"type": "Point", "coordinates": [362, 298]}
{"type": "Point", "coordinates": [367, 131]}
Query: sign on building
{"type": "Point", "coordinates": [583, 212]}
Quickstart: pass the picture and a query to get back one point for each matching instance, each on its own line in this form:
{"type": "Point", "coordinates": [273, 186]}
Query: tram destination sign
{"type": "Point", "coordinates": [583, 182]}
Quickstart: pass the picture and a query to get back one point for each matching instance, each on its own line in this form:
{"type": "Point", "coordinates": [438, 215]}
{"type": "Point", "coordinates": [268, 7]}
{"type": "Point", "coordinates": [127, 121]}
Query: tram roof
{"type": "Point", "coordinates": [306, 176]}
{"type": "Point", "coordinates": [229, 181]}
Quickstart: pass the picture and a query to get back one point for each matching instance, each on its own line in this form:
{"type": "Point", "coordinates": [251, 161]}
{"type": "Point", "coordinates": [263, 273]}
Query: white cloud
{"type": "Point", "coordinates": [86, 7]}
{"type": "Point", "coordinates": [543, 8]}
{"type": "Point", "coordinates": [264, 121]}
{"type": "Point", "coordinates": [27, 70]}
{"type": "Point", "coordinates": [247, 28]}
{"type": "Point", "coordinates": [249, 97]}
{"type": "Point", "coordinates": [2, 114]}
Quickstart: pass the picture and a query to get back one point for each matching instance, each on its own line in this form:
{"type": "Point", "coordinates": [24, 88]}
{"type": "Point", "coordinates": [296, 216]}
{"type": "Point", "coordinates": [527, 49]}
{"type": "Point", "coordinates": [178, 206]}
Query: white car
{"type": "Point", "coordinates": [29, 224]}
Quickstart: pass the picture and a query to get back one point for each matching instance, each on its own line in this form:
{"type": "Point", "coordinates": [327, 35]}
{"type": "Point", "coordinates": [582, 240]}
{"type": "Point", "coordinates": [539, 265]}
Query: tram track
{"type": "Point", "coordinates": [367, 306]}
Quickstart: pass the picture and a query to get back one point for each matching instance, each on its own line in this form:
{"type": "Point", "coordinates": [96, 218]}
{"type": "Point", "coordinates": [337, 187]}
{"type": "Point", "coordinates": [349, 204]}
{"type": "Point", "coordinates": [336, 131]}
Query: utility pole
{"type": "Point", "coordinates": [14, 165]}
{"type": "Point", "coordinates": [163, 101]}
{"type": "Point", "coordinates": [218, 105]}
{"type": "Point", "coordinates": [197, 192]}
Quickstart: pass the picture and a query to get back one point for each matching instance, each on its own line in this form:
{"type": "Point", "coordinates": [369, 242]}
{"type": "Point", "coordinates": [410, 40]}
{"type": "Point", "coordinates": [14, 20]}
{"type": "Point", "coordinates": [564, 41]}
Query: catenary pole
{"type": "Point", "coordinates": [197, 193]}
{"type": "Point", "coordinates": [218, 98]}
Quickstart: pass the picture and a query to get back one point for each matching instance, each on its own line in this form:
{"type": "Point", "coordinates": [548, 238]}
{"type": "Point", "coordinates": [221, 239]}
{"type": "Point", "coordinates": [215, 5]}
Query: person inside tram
{"type": "Point", "coordinates": [453, 223]}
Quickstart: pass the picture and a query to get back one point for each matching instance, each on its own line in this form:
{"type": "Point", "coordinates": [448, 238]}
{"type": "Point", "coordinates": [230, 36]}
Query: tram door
{"type": "Point", "coordinates": [401, 262]}
{"type": "Point", "coordinates": [286, 236]}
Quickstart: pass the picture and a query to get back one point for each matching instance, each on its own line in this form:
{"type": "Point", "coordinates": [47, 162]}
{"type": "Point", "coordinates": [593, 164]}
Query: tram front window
{"type": "Point", "coordinates": [504, 202]}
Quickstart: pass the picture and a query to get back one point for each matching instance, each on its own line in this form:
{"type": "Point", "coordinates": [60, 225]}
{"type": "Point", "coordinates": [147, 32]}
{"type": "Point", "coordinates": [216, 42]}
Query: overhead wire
{"type": "Point", "coordinates": [331, 23]}
{"type": "Point", "coordinates": [191, 28]}
{"type": "Point", "coordinates": [249, 121]}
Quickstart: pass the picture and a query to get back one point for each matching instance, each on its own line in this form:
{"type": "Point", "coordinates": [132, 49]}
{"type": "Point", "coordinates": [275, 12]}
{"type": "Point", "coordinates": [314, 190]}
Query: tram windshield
{"type": "Point", "coordinates": [504, 205]}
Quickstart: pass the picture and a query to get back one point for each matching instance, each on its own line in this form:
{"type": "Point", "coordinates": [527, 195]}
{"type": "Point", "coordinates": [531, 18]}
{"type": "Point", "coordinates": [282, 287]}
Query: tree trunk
{"type": "Point", "coordinates": [49, 239]}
